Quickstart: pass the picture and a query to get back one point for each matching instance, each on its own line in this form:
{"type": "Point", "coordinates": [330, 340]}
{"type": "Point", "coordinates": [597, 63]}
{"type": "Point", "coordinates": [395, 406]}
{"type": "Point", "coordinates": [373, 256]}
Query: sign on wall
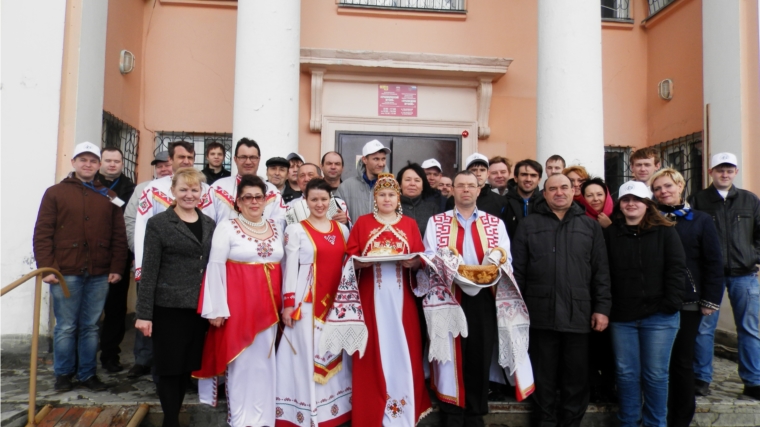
{"type": "Point", "coordinates": [396, 100]}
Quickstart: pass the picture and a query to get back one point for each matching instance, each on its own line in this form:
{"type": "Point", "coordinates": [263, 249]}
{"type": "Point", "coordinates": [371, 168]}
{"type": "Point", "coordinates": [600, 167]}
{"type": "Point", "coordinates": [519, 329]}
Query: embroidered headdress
{"type": "Point", "coordinates": [386, 181]}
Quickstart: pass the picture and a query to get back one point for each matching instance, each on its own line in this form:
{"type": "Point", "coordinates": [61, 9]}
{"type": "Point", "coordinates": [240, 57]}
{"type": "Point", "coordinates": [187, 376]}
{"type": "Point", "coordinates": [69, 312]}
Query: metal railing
{"type": "Point", "coordinates": [121, 135]}
{"type": "Point", "coordinates": [617, 168]}
{"type": "Point", "coordinates": [616, 10]}
{"type": "Point", "coordinates": [684, 154]}
{"type": "Point", "coordinates": [415, 5]}
{"type": "Point", "coordinates": [38, 273]}
{"type": "Point", "coordinates": [199, 140]}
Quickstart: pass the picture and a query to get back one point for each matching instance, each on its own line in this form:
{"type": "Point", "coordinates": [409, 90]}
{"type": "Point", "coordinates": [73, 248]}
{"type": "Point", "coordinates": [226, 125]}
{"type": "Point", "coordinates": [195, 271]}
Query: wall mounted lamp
{"type": "Point", "coordinates": [126, 62]}
{"type": "Point", "coordinates": [665, 89]}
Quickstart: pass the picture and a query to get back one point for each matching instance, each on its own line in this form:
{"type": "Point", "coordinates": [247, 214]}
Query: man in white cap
{"type": "Point", "coordinates": [433, 171]}
{"type": "Point", "coordinates": [157, 196]}
{"type": "Point", "coordinates": [224, 191]}
{"type": "Point", "coordinates": [357, 190]}
{"type": "Point", "coordinates": [487, 201]}
{"type": "Point", "coordinates": [736, 213]}
{"type": "Point", "coordinates": [80, 232]}
{"type": "Point", "coordinates": [143, 349]}
{"type": "Point", "coordinates": [291, 190]}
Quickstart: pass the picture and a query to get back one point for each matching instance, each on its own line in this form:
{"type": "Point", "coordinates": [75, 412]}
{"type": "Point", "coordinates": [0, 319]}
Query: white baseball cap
{"type": "Point", "coordinates": [636, 188]}
{"type": "Point", "coordinates": [292, 156]}
{"type": "Point", "coordinates": [86, 147]}
{"type": "Point", "coordinates": [475, 158]}
{"type": "Point", "coordinates": [373, 147]}
{"type": "Point", "coordinates": [720, 158]}
{"type": "Point", "coordinates": [432, 163]}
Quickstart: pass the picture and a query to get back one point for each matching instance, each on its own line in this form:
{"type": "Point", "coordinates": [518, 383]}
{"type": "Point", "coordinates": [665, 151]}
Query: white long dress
{"type": "Point", "coordinates": [242, 284]}
{"type": "Point", "coordinates": [311, 390]}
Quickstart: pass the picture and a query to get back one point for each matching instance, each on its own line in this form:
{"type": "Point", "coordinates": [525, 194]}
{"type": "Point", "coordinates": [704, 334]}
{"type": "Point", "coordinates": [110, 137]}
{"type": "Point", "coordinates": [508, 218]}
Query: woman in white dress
{"type": "Point", "coordinates": [311, 386]}
{"type": "Point", "coordinates": [241, 297]}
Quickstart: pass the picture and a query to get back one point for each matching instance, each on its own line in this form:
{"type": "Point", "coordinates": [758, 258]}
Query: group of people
{"type": "Point", "coordinates": [308, 298]}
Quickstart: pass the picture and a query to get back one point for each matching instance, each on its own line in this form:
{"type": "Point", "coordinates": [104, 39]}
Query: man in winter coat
{"type": "Point", "coordinates": [112, 176]}
{"type": "Point", "coordinates": [357, 190]}
{"type": "Point", "coordinates": [80, 232]}
{"type": "Point", "coordinates": [736, 213]}
{"type": "Point", "coordinates": [488, 201]}
{"type": "Point", "coordinates": [560, 263]}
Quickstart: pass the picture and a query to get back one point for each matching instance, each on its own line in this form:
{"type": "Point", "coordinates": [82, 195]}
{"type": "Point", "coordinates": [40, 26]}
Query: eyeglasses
{"type": "Point", "coordinates": [465, 186]}
{"type": "Point", "coordinates": [247, 158]}
{"type": "Point", "coordinates": [248, 198]}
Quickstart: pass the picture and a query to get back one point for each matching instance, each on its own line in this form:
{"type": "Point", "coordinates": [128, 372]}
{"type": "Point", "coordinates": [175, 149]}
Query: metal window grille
{"type": "Point", "coordinates": [118, 134]}
{"type": "Point", "coordinates": [199, 140]}
{"type": "Point", "coordinates": [424, 5]}
{"type": "Point", "coordinates": [617, 168]}
{"type": "Point", "coordinates": [684, 154]}
{"type": "Point", "coordinates": [656, 5]}
{"type": "Point", "coordinates": [616, 10]}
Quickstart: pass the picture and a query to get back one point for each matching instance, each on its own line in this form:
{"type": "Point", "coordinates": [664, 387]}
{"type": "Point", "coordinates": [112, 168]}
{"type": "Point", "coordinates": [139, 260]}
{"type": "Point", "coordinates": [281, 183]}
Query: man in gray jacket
{"type": "Point", "coordinates": [560, 264]}
{"type": "Point", "coordinates": [357, 191]}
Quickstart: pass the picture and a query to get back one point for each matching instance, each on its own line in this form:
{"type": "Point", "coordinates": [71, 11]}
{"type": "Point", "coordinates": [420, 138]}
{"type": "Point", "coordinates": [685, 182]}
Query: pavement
{"type": "Point", "coordinates": [724, 407]}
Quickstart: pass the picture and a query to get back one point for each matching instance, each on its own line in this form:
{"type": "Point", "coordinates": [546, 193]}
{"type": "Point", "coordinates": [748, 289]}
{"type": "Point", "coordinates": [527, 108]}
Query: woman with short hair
{"type": "Point", "coordinates": [418, 199]}
{"type": "Point", "coordinates": [647, 269]}
{"type": "Point", "coordinates": [242, 301]}
{"type": "Point", "coordinates": [702, 288]}
{"type": "Point", "coordinates": [578, 175]}
{"type": "Point", "coordinates": [176, 252]}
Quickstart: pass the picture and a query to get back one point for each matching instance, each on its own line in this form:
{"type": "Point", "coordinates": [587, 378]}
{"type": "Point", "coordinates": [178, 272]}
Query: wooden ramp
{"type": "Point", "coordinates": [91, 416]}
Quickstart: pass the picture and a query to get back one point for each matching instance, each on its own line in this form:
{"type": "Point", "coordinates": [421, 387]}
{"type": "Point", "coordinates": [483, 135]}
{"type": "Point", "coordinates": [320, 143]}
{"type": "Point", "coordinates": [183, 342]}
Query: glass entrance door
{"type": "Point", "coordinates": [405, 149]}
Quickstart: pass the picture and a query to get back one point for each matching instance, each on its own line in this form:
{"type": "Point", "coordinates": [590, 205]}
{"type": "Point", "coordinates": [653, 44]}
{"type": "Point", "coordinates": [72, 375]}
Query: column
{"type": "Point", "coordinates": [82, 79]}
{"type": "Point", "coordinates": [267, 67]}
{"type": "Point", "coordinates": [569, 93]}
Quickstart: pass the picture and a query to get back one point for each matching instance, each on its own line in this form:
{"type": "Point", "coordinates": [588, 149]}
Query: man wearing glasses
{"type": "Point", "coordinates": [247, 157]}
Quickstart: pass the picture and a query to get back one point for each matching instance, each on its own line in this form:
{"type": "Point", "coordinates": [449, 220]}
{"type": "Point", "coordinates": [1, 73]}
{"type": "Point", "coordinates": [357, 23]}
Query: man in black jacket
{"type": "Point", "coordinates": [487, 201]}
{"type": "Point", "coordinates": [736, 213]}
{"type": "Point", "coordinates": [560, 264]}
{"type": "Point", "coordinates": [521, 203]}
{"type": "Point", "coordinates": [115, 311]}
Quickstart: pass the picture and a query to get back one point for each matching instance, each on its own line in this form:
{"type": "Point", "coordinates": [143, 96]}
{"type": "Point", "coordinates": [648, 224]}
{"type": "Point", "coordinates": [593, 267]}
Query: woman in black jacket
{"type": "Point", "coordinates": [647, 268]}
{"type": "Point", "coordinates": [177, 246]}
{"type": "Point", "coordinates": [702, 288]}
{"type": "Point", "coordinates": [418, 199]}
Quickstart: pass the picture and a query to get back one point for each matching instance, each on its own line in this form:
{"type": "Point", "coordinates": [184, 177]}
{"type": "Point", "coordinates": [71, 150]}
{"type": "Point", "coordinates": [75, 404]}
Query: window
{"type": "Point", "coordinates": [616, 10]}
{"type": "Point", "coordinates": [684, 154]}
{"type": "Point", "coordinates": [656, 5]}
{"type": "Point", "coordinates": [118, 134]}
{"type": "Point", "coordinates": [617, 168]}
{"type": "Point", "coordinates": [163, 139]}
{"type": "Point", "coordinates": [416, 5]}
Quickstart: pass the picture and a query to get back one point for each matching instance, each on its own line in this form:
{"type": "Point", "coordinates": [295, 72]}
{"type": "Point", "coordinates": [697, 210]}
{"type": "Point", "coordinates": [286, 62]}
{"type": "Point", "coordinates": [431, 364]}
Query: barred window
{"type": "Point", "coordinates": [199, 140]}
{"type": "Point", "coordinates": [617, 168]}
{"type": "Point", "coordinates": [656, 5]}
{"type": "Point", "coordinates": [420, 5]}
{"type": "Point", "coordinates": [616, 10]}
{"type": "Point", "coordinates": [121, 135]}
{"type": "Point", "coordinates": [684, 154]}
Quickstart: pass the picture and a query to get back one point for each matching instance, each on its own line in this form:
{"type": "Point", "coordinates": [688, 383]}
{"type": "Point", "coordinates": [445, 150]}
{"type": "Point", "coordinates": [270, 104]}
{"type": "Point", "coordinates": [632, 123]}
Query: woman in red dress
{"type": "Point", "coordinates": [388, 378]}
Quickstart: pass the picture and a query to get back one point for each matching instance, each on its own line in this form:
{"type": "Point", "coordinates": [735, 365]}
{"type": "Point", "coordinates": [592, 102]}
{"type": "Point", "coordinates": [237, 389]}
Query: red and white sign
{"type": "Point", "coordinates": [396, 100]}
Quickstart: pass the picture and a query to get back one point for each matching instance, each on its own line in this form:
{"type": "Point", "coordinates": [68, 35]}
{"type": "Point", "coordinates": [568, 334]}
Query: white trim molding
{"type": "Point", "coordinates": [422, 69]}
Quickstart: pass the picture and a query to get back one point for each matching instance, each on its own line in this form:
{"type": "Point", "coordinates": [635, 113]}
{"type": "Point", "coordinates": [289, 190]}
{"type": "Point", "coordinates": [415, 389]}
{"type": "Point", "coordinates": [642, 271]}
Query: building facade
{"type": "Point", "coordinates": [588, 80]}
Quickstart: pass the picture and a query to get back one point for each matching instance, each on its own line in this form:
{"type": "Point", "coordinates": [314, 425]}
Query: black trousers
{"type": "Point", "coordinates": [477, 350]}
{"type": "Point", "coordinates": [560, 362]}
{"type": "Point", "coordinates": [171, 392]}
{"type": "Point", "coordinates": [114, 319]}
{"type": "Point", "coordinates": [681, 399]}
{"type": "Point", "coordinates": [601, 363]}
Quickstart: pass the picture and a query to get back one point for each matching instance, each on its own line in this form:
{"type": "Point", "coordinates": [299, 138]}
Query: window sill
{"type": "Point", "coordinates": [663, 13]}
{"type": "Point", "coordinates": [213, 3]}
{"type": "Point", "coordinates": [617, 24]}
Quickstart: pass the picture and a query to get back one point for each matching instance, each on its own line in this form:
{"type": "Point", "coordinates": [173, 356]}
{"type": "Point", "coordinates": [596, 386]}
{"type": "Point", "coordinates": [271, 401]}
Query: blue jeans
{"type": "Point", "coordinates": [744, 295]}
{"type": "Point", "coordinates": [76, 328]}
{"type": "Point", "coordinates": [642, 359]}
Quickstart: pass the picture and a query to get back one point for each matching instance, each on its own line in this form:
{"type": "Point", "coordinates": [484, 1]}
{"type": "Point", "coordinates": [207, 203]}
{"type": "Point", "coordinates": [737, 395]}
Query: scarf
{"type": "Point", "coordinates": [591, 212]}
{"type": "Point", "coordinates": [678, 211]}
